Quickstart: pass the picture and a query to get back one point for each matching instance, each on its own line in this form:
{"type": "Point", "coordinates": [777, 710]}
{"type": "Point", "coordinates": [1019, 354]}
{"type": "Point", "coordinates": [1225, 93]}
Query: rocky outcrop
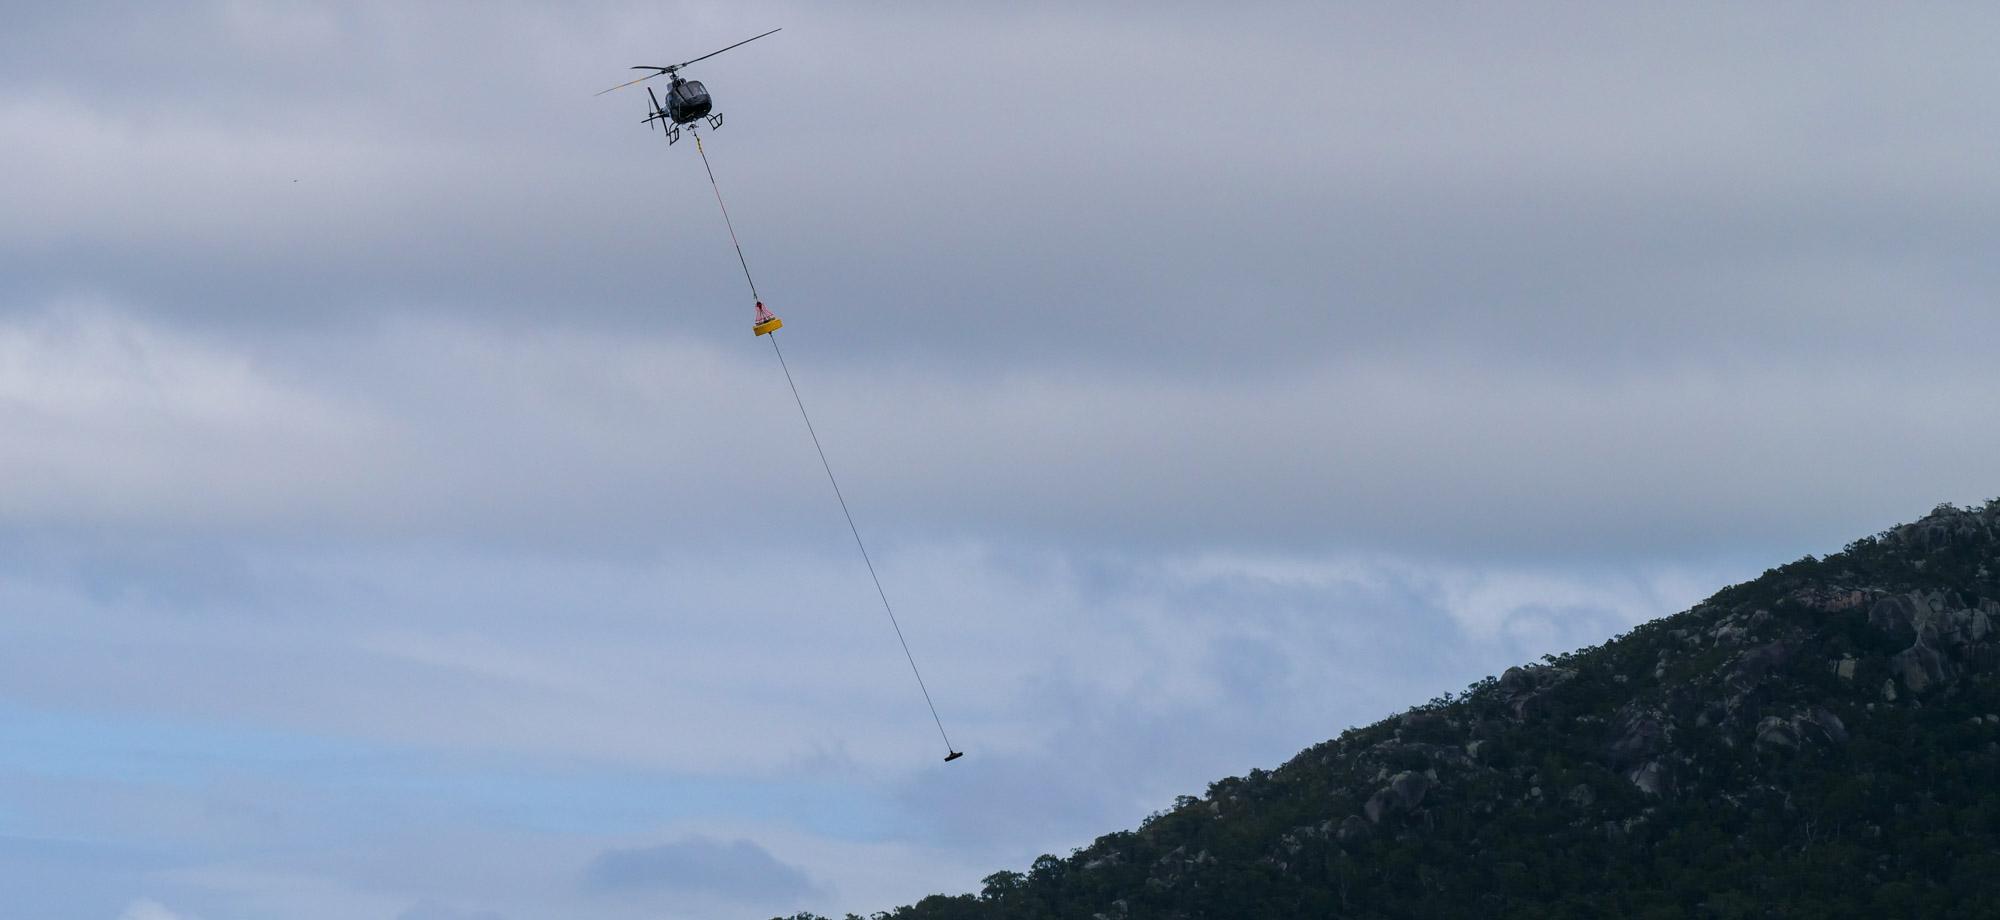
{"type": "Point", "coordinates": [1650, 778]}
{"type": "Point", "coordinates": [1641, 733]}
{"type": "Point", "coordinates": [1405, 792]}
{"type": "Point", "coordinates": [1919, 667]}
{"type": "Point", "coordinates": [1815, 726]}
{"type": "Point", "coordinates": [1520, 687]}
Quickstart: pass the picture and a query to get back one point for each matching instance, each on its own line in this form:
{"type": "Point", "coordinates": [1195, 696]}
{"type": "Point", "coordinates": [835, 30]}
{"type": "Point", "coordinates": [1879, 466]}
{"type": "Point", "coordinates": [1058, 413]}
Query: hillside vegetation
{"type": "Point", "coordinates": [1823, 741]}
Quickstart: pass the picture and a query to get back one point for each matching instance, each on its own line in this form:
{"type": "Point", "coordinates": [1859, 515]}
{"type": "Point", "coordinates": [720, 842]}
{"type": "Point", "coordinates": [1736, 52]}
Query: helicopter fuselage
{"type": "Point", "coordinates": [687, 100]}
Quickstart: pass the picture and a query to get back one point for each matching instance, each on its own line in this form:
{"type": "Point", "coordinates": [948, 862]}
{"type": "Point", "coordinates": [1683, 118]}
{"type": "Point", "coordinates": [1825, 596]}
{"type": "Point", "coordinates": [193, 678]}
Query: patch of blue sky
{"type": "Point", "coordinates": [528, 793]}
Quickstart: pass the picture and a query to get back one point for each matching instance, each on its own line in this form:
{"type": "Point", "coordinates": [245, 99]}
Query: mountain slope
{"type": "Point", "coordinates": [1823, 741]}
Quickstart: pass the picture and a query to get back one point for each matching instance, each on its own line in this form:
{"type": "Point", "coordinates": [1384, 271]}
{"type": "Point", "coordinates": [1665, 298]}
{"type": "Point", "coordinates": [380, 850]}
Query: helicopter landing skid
{"type": "Point", "coordinates": [674, 131]}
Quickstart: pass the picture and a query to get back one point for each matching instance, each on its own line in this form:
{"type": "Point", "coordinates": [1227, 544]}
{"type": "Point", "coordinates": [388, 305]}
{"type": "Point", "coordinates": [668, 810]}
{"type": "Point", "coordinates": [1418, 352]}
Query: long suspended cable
{"type": "Point", "coordinates": [725, 215]}
{"type": "Point", "coordinates": [950, 752]}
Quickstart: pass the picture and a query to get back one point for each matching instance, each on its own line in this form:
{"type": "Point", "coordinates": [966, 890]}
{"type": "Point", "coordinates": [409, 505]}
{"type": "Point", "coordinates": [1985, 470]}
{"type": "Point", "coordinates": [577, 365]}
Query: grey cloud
{"type": "Point", "coordinates": [607, 444]}
{"type": "Point", "coordinates": [1494, 269]}
{"type": "Point", "coordinates": [737, 870]}
{"type": "Point", "coordinates": [1042, 187]}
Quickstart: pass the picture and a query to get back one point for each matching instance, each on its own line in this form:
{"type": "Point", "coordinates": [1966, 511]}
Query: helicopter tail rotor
{"type": "Point", "coordinates": [659, 114]}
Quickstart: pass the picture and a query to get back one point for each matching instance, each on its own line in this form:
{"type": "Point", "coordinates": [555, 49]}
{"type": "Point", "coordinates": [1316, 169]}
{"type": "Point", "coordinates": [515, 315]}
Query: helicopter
{"type": "Point", "coordinates": [687, 100]}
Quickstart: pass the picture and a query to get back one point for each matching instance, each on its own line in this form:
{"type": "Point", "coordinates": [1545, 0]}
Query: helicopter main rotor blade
{"type": "Point", "coordinates": [663, 71]}
{"type": "Point", "coordinates": [737, 45]}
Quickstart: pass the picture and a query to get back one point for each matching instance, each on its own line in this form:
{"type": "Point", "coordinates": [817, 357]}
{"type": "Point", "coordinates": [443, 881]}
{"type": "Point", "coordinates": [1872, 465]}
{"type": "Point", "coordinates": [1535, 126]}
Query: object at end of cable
{"type": "Point", "coordinates": [948, 758]}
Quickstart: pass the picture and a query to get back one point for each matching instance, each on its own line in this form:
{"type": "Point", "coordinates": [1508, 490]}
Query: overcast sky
{"type": "Point", "coordinates": [398, 520]}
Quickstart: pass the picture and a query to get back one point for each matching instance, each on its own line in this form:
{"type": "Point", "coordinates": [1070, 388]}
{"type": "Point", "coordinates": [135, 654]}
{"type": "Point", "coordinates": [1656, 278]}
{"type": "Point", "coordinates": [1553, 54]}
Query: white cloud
{"type": "Point", "coordinates": [108, 418]}
{"type": "Point", "coordinates": [144, 909]}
